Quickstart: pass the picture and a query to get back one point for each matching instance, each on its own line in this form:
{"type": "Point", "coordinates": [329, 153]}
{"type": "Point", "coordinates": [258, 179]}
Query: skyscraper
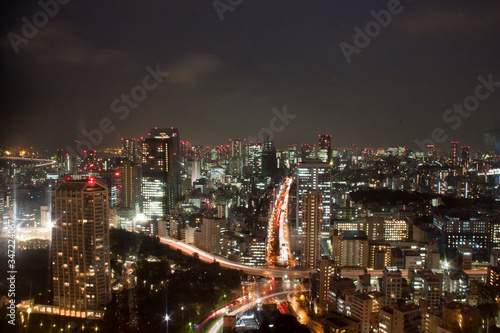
{"type": "Point", "coordinates": [160, 172]}
{"type": "Point", "coordinates": [311, 225]}
{"type": "Point", "coordinates": [454, 152]}
{"type": "Point", "coordinates": [131, 183]}
{"type": "Point", "coordinates": [268, 159]}
{"type": "Point", "coordinates": [324, 147]}
{"type": "Point", "coordinates": [315, 175]}
{"type": "Point", "coordinates": [253, 158]}
{"type": "Point", "coordinates": [80, 248]}
{"type": "Point", "coordinates": [465, 155]}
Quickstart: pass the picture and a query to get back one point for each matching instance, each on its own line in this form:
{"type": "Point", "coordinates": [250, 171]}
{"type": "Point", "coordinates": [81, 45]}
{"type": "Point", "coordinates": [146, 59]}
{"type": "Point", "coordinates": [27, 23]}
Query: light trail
{"type": "Point", "coordinates": [216, 327]}
{"type": "Point", "coordinates": [278, 249]}
{"type": "Point", "coordinates": [281, 272]}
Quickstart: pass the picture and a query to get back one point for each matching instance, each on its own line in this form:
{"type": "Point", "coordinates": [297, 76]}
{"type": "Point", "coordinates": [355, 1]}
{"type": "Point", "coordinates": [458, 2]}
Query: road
{"type": "Point", "coordinates": [216, 327]}
{"type": "Point", "coordinates": [278, 248]}
{"type": "Point", "coordinates": [208, 257]}
{"type": "Point", "coordinates": [280, 272]}
{"type": "Point", "coordinates": [302, 315]}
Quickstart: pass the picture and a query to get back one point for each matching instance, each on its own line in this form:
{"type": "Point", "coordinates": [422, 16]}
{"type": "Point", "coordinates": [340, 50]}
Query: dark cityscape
{"type": "Point", "coordinates": [237, 166]}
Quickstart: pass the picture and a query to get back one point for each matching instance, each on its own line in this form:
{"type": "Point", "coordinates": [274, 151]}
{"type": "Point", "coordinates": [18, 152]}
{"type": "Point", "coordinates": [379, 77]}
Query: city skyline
{"type": "Point", "coordinates": [226, 77]}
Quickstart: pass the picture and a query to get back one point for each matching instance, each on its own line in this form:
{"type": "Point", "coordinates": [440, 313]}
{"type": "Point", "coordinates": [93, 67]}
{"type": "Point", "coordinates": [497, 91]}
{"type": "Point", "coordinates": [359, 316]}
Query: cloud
{"type": "Point", "coordinates": [59, 44]}
{"type": "Point", "coordinates": [448, 20]}
{"type": "Point", "coordinates": [190, 70]}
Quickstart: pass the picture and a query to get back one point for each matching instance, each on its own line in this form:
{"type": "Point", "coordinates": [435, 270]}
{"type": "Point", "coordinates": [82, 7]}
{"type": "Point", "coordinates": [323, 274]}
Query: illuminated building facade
{"type": "Point", "coordinates": [160, 172]}
{"type": "Point", "coordinates": [311, 225]}
{"type": "Point", "coordinates": [454, 152]}
{"type": "Point", "coordinates": [253, 158]}
{"type": "Point", "coordinates": [315, 175]}
{"type": "Point", "coordinates": [324, 147]}
{"type": "Point", "coordinates": [80, 248]}
{"type": "Point", "coordinates": [395, 230]}
{"type": "Point", "coordinates": [131, 183]}
{"type": "Point", "coordinates": [392, 285]}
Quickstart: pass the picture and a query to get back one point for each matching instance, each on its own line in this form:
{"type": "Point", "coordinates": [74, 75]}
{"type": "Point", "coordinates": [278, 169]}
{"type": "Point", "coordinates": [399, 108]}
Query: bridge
{"type": "Point", "coordinates": [281, 272]}
{"type": "Point", "coordinates": [28, 162]}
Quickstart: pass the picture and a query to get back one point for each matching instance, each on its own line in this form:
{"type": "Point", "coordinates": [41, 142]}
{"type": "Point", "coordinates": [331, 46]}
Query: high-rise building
{"type": "Point", "coordinates": [269, 159]}
{"type": "Point", "coordinates": [311, 224]}
{"type": "Point", "coordinates": [253, 159]}
{"type": "Point", "coordinates": [465, 155]}
{"type": "Point", "coordinates": [327, 269]}
{"type": "Point", "coordinates": [315, 175]}
{"type": "Point", "coordinates": [131, 183]}
{"type": "Point", "coordinates": [131, 150]}
{"type": "Point", "coordinates": [454, 152]}
{"type": "Point", "coordinates": [324, 147]}
{"type": "Point", "coordinates": [237, 152]}
{"type": "Point", "coordinates": [160, 172]}
{"type": "Point", "coordinates": [80, 248]}
{"type": "Point", "coordinates": [392, 285]}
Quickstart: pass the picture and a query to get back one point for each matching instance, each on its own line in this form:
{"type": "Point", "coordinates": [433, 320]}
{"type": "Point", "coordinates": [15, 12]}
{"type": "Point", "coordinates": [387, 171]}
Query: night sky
{"type": "Point", "coordinates": [227, 76]}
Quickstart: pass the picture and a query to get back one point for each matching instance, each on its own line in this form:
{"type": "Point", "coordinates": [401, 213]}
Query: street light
{"type": "Point", "coordinates": [167, 319]}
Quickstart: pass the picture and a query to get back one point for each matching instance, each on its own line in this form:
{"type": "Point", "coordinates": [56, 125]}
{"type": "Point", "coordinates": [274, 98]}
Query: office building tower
{"type": "Point", "coordinates": [237, 152]}
{"type": "Point", "coordinates": [80, 248]}
{"type": "Point", "coordinates": [465, 155]}
{"type": "Point", "coordinates": [160, 172]}
{"type": "Point", "coordinates": [130, 174]}
{"type": "Point", "coordinates": [327, 269]}
{"type": "Point", "coordinates": [269, 162]}
{"type": "Point", "coordinates": [324, 147]}
{"type": "Point", "coordinates": [131, 150]}
{"type": "Point", "coordinates": [307, 152]}
{"type": "Point", "coordinates": [195, 170]}
{"type": "Point", "coordinates": [292, 156]}
{"type": "Point", "coordinates": [392, 285]}
{"type": "Point", "coordinates": [454, 152]}
{"type": "Point", "coordinates": [311, 224]}
{"type": "Point", "coordinates": [315, 175]}
{"type": "Point", "coordinates": [253, 159]}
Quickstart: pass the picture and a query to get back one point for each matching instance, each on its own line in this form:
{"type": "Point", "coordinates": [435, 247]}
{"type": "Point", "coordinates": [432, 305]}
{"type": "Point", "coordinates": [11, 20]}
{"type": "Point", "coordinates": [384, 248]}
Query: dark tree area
{"type": "Point", "coordinates": [166, 279]}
